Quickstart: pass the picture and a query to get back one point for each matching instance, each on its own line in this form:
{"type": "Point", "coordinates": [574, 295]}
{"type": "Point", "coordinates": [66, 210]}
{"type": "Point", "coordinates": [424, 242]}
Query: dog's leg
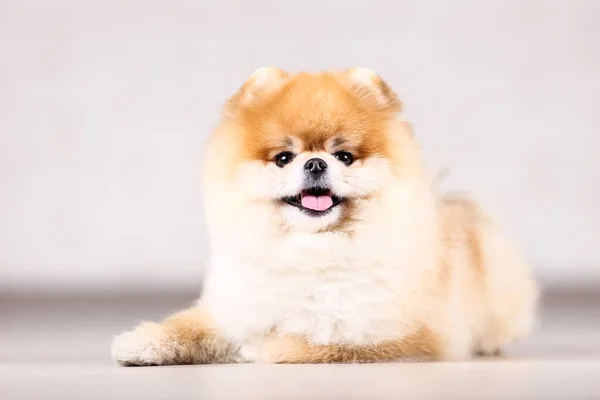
{"type": "Point", "coordinates": [422, 345]}
{"type": "Point", "coordinates": [184, 338]}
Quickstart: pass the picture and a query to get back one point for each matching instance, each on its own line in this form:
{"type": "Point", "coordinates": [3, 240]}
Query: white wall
{"type": "Point", "coordinates": [104, 106]}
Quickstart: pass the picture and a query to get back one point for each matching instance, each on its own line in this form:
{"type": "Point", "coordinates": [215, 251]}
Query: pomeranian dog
{"type": "Point", "coordinates": [328, 243]}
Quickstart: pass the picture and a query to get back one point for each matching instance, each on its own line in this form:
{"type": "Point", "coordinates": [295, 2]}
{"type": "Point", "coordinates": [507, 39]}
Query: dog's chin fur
{"type": "Point", "coordinates": [395, 271]}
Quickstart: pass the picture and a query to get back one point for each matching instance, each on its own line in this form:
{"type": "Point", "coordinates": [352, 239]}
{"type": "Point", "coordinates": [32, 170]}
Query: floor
{"type": "Point", "coordinates": [57, 348]}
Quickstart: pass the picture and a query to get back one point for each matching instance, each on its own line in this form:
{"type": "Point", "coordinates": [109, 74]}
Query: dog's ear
{"type": "Point", "coordinates": [367, 84]}
{"type": "Point", "coordinates": [262, 81]}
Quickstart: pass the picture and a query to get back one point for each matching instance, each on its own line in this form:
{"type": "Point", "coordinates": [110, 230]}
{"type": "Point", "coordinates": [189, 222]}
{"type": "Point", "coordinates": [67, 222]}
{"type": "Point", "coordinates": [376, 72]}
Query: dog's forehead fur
{"type": "Point", "coordinates": [316, 112]}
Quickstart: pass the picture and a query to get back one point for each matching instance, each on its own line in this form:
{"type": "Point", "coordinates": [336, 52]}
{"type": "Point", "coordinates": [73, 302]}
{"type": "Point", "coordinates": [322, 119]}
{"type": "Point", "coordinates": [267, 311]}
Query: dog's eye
{"type": "Point", "coordinates": [282, 159]}
{"type": "Point", "coordinates": [344, 157]}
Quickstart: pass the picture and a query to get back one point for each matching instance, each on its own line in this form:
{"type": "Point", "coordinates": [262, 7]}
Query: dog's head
{"type": "Point", "coordinates": [310, 151]}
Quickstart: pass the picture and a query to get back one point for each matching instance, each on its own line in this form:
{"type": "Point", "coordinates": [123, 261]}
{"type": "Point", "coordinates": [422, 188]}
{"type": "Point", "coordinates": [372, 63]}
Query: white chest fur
{"type": "Point", "coordinates": [325, 287]}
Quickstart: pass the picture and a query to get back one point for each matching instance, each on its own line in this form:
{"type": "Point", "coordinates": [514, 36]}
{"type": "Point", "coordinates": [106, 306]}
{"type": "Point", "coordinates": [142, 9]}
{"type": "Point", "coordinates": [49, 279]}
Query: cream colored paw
{"type": "Point", "coordinates": [145, 345]}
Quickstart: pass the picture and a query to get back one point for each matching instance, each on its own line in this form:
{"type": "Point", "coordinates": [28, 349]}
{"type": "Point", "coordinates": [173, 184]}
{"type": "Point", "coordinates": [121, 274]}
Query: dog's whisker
{"type": "Point", "coordinates": [359, 177]}
{"type": "Point", "coordinates": [280, 190]}
{"type": "Point", "coordinates": [362, 191]}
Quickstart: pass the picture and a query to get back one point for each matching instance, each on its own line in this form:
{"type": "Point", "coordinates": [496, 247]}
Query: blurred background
{"type": "Point", "coordinates": [105, 107]}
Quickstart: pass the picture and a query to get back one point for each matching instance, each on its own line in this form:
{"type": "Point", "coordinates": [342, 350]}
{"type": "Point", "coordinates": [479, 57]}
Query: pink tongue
{"type": "Point", "coordinates": [317, 203]}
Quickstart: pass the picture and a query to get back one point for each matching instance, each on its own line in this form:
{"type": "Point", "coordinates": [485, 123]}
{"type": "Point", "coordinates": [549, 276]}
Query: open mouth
{"type": "Point", "coordinates": [314, 201]}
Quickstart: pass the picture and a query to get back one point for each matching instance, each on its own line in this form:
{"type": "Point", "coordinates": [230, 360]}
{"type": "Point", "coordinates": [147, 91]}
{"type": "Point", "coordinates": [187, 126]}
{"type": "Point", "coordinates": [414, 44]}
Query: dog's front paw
{"type": "Point", "coordinates": [145, 345]}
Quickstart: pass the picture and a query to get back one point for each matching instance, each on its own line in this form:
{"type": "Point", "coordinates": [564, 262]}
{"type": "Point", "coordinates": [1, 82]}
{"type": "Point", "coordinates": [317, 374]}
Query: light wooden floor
{"type": "Point", "coordinates": [59, 349]}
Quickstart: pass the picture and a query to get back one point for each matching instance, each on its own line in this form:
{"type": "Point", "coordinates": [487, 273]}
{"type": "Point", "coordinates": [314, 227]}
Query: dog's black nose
{"type": "Point", "coordinates": [315, 166]}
